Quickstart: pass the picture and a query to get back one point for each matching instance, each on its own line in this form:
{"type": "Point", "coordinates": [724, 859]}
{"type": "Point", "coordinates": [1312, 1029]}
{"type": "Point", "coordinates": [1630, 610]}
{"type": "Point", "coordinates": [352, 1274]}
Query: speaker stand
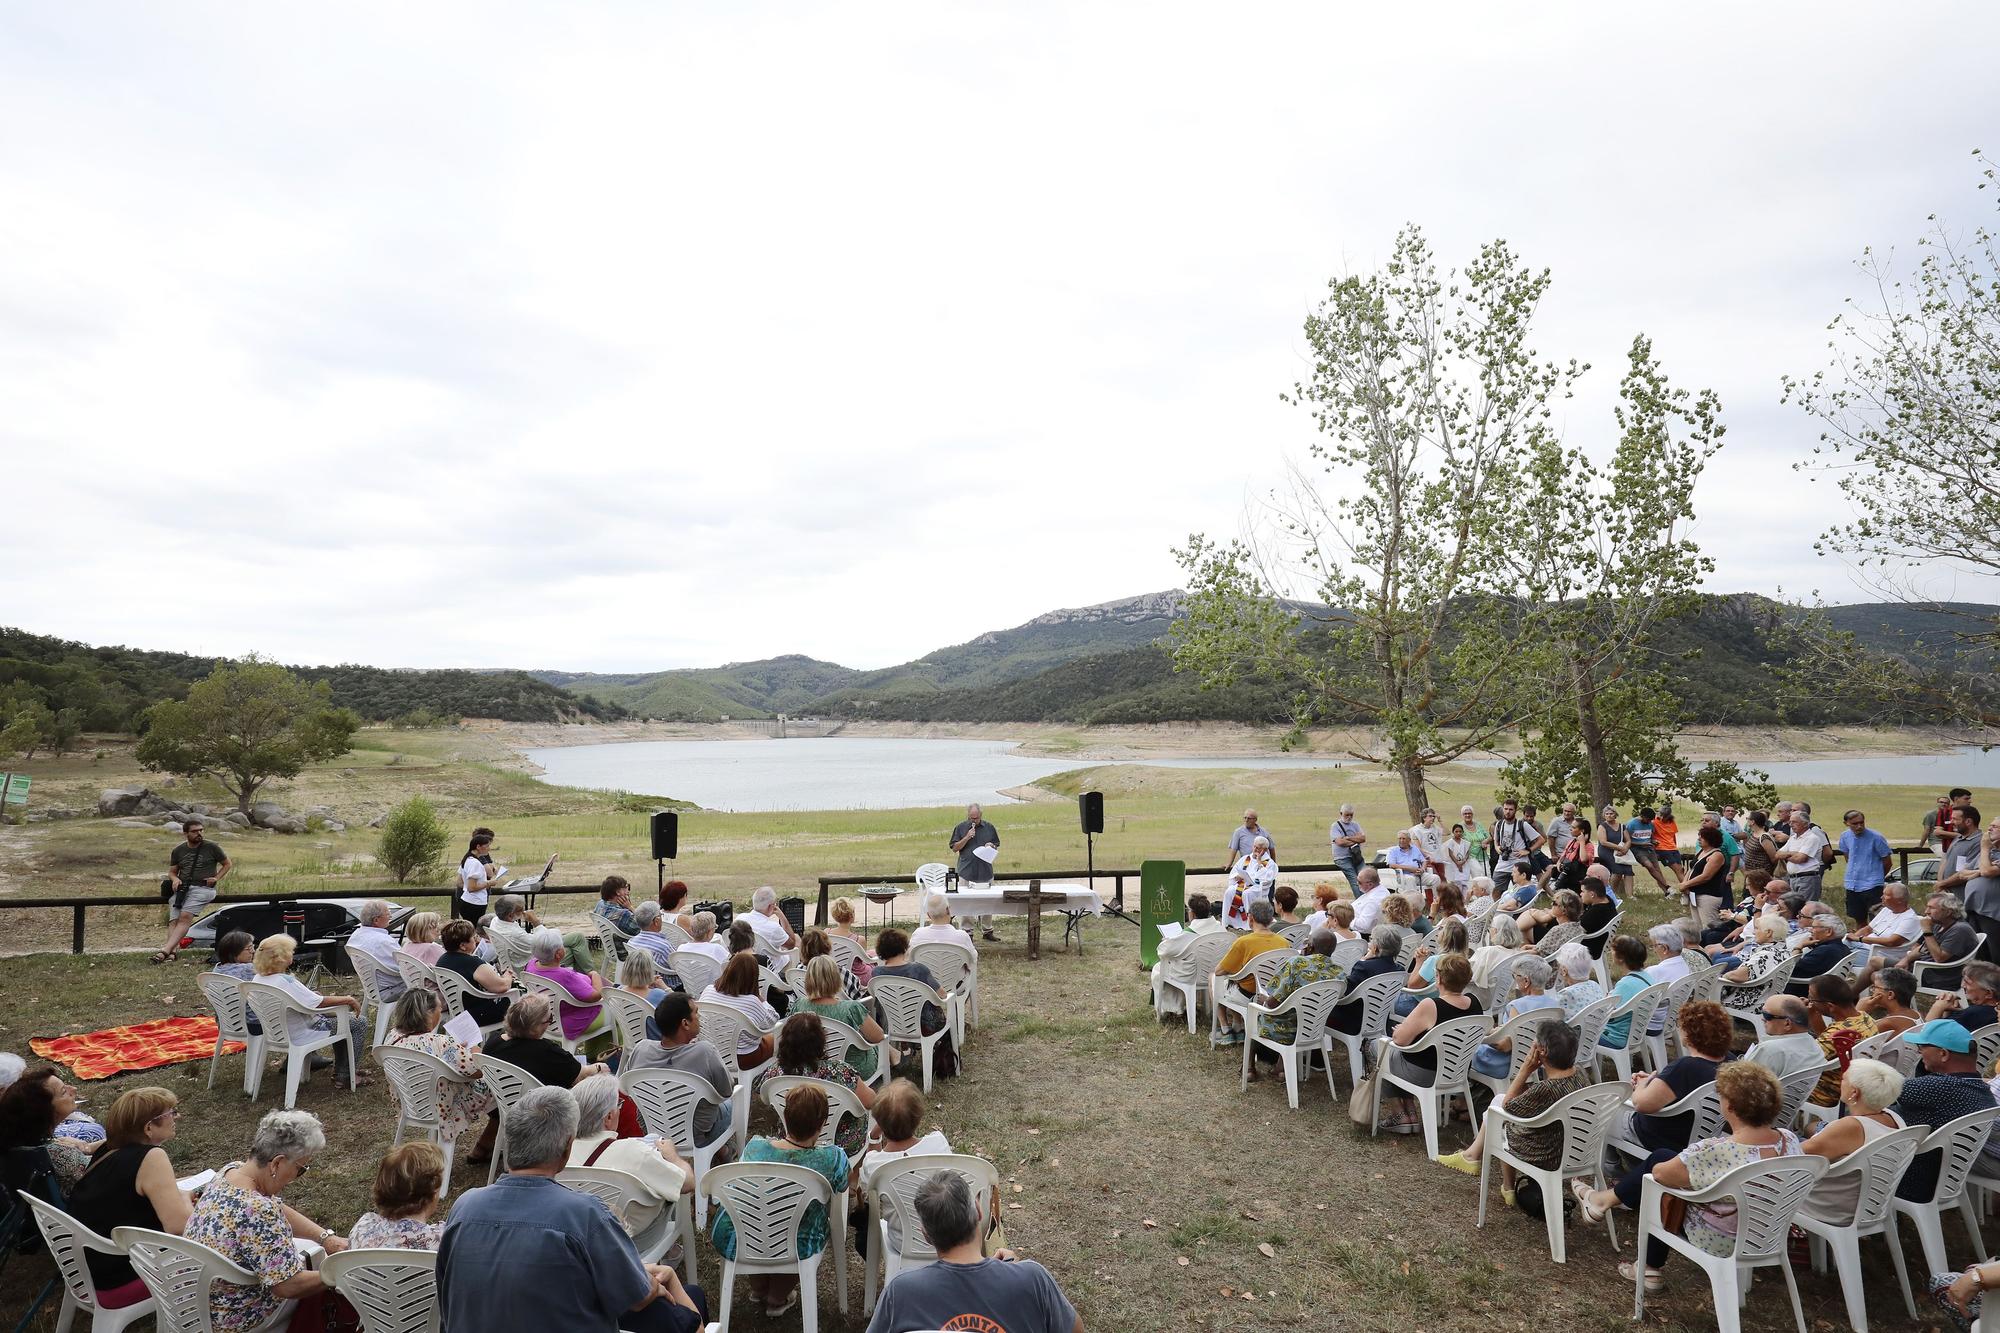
{"type": "Point", "coordinates": [1117, 907]}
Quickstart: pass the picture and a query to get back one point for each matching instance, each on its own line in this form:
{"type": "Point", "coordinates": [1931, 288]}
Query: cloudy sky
{"type": "Point", "coordinates": [623, 336]}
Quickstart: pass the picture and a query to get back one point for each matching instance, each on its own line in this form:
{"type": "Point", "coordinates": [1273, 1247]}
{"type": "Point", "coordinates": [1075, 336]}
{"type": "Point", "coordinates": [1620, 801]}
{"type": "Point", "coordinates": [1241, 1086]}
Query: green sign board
{"type": "Point", "coordinates": [17, 789]}
{"type": "Point", "coordinates": [1162, 901]}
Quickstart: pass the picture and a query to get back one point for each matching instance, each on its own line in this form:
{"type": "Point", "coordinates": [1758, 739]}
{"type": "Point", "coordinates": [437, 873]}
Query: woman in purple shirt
{"type": "Point", "coordinates": [587, 987]}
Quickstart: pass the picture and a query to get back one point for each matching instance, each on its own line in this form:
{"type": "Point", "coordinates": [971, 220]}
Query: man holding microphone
{"type": "Point", "coordinates": [972, 833]}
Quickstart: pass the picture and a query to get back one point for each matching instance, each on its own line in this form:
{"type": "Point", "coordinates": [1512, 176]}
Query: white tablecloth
{"type": "Point", "coordinates": [1055, 898]}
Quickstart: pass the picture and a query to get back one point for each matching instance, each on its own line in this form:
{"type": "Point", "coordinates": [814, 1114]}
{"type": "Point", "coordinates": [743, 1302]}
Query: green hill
{"type": "Point", "coordinates": [113, 686]}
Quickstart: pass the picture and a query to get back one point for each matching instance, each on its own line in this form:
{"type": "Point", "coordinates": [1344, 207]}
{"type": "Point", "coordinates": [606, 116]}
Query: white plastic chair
{"type": "Point", "coordinates": [508, 1084]}
{"type": "Point", "coordinates": [1959, 1143]}
{"type": "Point", "coordinates": [1519, 1034]}
{"type": "Point", "coordinates": [1679, 992]}
{"type": "Point", "coordinates": [1922, 972]}
{"type": "Point", "coordinates": [368, 974]}
{"type": "Point", "coordinates": [1296, 934]}
{"type": "Point", "coordinates": [1373, 999]}
{"type": "Point", "coordinates": [232, 1023]}
{"type": "Point", "coordinates": [1590, 1022]}
{"type": "Point", "coordinates": [619, 1191]}
{"type": "Point", "coordinates": [902, 1000]}
{"type": "Point", "coordinates": [1704, 1103]}
{"type": "Point", "coordinates": [1639, 1009]}
{"type": "Point", "coordinates": [1986, 1047]}
{"type": "Point", "coordinates": [394, 1291]}
{"type": "Point", "coordinates": [1225, 995]}
{"type": "Point", "coordinates": [272, 1006]}
{"type": "Point", "coordinates": [417, 1077]}
{"type": "Point", "coordinates": [1602, 938]}
{"type": "Point", "coordinates": [845, 952]}
{"type": "Point", "coordinates": [1880, 1163]}
{"type": "Point", "coordinates": [179, 1273]}
{"type": "Point", "coordinates": [1187, 975]}
{"type": "Point", "coordinates": [1311, 1003]}
{"type": "Point", "coordinates": [1453, 1042]}
{"type": "Point", "coordinates": [723, 1026]}
{"type": "Point", "coordinates": [1746, 1005]}
{"type": "Point", "coordinates": [892, 1213]}
{"type": "Point", "coordinates": [611, 939]}
{"type": "Point", "coordinates": [1501, 984]}
{"type": "Point", "coordinates": [67, 1240]}
{"type": "Point", "coordinates": [1586, 1117]}
{"type": "Point", "coordinates": [416, 973]}
{"type": "Point", "coordinates": [510, 953]}
{"type": "Point", "coordinates": [628, 1013]}
{"type": "Point", "coordinates": [931, 876]}
{"type": "Point", "coordinates": [667, 1100]}
{"type": "Point", "coordinates": [767, 1203]}
{"type": "Point", "coordinates": [697, 971]}
{"type": "Point", "coordinates": [672, 933]}
{"type": "Point", "coordinates": [840, 1039]}
{"type": "Point", "coordinates": [957, 971]}
{"type": "Point", "coordinates": [841, 1103]}
{"type": "Point", "coordinates": [453, 990]}
{"type": "Point", "coordinates": [1798, 1087]}
{"type": "Point", "coordinates": [540, 985]}
{"type": "Point", "coordinates": [1767, 1195]}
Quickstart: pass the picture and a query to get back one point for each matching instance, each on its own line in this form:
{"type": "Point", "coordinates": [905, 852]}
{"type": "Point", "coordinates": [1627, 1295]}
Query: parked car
{"type": "Point", "coordinates": [328, 921]}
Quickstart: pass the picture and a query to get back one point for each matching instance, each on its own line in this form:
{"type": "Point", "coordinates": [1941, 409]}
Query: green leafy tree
{"type": "Point", "coordinates": [65, 725]}
{"type": "Point", "coordinates": [1611, 564]}
{"type": "Point", "coordinates": [1909, 406]}
{"type": "Point", "coordinates": [243, 725]}
{"type": "Point", "coordinates": [1385, 587]}
{"type": "Point", "coordinates": [18, 736]}
{"type": "Point", "coordinates": [413, 841]}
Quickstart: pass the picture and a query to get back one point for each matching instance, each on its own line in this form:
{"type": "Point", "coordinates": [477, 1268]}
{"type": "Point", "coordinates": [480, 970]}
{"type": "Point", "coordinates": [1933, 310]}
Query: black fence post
{"type": "Point", "coordinates": [76, 929]}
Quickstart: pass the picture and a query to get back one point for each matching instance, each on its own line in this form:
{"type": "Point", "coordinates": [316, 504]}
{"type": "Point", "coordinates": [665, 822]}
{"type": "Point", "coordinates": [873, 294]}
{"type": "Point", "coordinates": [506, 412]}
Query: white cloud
{"type": "Point", "coordinates": [625, 336]}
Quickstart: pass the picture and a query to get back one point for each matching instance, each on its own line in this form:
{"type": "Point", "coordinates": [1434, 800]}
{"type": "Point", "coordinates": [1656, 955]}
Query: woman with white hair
{"type": "Point", "coordinates": [1773, 947]}
{"type": "Point", "coordinates": [1478, 896]}
{"type": "Point", "coordinates": [701, 938]}
{"type": "Point", "coordinates": [1503, 940]}
{"type": "Point", "coordinates": [1868, 1091]}
{"type": "Point", "coordinates": [1532, 976]}
{"type": "Point", "coordinates": [240, 1214]}
{"type": "Point", "coordinates": [651, 1161]}
{"type": "Point", "coordinates": [1251, 879]}
{"type": "Point", "coordinates": [586, 1017]}
{"type": "Point", "coordinates": [1576, 984]}
{"type": "Point", "coordinates": [937, 927]}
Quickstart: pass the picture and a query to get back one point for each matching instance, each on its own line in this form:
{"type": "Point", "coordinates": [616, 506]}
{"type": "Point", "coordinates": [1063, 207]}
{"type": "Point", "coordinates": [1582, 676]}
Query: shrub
{"type": "Point", "coordinates": [413, 841]}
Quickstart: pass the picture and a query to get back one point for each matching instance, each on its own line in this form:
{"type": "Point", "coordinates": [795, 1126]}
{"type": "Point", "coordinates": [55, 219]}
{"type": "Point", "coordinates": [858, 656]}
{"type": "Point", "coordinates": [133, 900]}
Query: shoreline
{"type": "Point", "coordinates": [1190, 740]}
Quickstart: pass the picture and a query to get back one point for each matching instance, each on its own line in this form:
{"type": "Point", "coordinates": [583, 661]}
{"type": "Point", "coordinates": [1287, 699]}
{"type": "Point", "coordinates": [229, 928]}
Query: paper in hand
{"type": "Point", "coordinates": [1172, 930]}
{"type": "Point", "coordinates": [989, 853]}
{"type": "Point", "coordinates": [189, 1184]}
{"type": "Point", "coordinates": [463, 1029]}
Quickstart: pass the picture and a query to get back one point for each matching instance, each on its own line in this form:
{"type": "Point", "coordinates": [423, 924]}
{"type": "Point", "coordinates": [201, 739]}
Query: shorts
{"type": "Point", "coordinates": [1646, 856]}
{"type": "Point", "coordinates": [1668, 858]}
{"type": "Point", "coordinates": [191, 899]}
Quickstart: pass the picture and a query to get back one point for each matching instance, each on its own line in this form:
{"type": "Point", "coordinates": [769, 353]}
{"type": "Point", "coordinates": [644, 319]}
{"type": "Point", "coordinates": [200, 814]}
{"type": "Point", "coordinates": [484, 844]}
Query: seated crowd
{"type": "Point", "coordinates": [526, 1251]}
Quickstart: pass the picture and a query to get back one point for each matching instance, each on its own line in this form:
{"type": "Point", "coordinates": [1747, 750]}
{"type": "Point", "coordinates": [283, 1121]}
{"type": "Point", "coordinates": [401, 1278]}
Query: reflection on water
{"type": "Point", "coordinates": [880, 773]}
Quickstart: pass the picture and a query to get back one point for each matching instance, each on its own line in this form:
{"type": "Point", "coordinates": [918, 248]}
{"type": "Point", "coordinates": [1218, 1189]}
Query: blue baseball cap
{"type": "Point", "coordinates": [1940, 1032]}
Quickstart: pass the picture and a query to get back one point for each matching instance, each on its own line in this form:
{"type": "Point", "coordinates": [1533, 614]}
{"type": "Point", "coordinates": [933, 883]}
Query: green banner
{"type": "Point", "coordinates": [17, 789]}
{"type": "Point", "coordinates": [1162, 901]}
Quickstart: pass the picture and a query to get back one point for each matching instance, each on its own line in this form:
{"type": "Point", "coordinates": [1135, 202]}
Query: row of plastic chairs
{"type": "Point", "coordinates": [234, 1001]}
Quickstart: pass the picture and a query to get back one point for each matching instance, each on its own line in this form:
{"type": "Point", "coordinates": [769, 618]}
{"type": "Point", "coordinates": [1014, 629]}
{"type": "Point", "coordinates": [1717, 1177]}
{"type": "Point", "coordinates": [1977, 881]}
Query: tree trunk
{"type": "Point", "coordinates": [1415, 793]}
{"type": "Point", "coordinates": [1591, 732]}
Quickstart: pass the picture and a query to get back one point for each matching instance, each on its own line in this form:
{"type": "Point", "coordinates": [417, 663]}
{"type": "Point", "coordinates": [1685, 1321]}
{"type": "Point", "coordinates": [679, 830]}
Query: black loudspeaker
{"type": "Point", "coordinates": [1090, 806]}
{"type": "Point", "coordinates": [666, 834]}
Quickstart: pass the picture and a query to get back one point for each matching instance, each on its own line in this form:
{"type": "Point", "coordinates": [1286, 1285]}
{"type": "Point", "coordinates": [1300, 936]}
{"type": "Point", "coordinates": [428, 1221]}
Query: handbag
{"type": "Point", "coordinates": [1361, 1102]}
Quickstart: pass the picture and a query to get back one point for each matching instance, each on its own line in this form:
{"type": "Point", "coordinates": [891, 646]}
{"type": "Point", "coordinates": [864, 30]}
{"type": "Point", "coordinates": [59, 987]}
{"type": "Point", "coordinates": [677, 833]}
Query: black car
{"type": "Point", "coordinates": [328, 921]}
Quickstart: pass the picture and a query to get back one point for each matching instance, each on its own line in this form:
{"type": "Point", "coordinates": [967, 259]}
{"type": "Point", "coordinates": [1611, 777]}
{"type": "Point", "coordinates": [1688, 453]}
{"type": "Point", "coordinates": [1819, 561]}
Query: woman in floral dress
{"type": "Point", "coordinates": [406, 1201]}
{"type": "Point", "coordinates": [240, 1215]}
{"type": "Point", "coordinates": [413, 1026]}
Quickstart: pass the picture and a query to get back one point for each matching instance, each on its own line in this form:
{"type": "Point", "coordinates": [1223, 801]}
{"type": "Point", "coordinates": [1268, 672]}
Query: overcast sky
{"type": "Point", "coordinates": [612, 336]}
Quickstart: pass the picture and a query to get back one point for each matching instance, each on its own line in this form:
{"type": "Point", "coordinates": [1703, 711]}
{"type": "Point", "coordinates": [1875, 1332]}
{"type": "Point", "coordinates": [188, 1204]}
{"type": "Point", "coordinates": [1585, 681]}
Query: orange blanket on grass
{"type": "Point", "coordinates": [164, 1041]}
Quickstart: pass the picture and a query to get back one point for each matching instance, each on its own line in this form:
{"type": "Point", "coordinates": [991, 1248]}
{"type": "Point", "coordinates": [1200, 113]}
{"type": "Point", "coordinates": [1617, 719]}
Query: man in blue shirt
{"type": "Point", "coordinates": [1867, 854]}
{"type": "Point", "coordinates": [528, 1253]}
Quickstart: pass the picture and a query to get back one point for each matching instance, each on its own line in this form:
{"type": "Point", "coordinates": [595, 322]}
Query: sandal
{"type": "Point", "coordinates": [1656, 1281]}
{"type": "Point", "coordinates": [162, 956]}
{"type": "Point", "coordinates": [1591, 1213]}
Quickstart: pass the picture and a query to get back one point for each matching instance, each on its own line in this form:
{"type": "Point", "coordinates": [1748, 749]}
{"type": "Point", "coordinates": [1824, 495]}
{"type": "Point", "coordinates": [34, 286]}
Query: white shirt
{"type": "Point", "coordinates": [1184, 941]}
{"type": "Point", "coordinates": [709, 949]}
{"type": "Point", "coordinates": [770, 929]}
{"type": "Point", "coordinates": [473, 871]}
{"type": "Point", "coordinates": [1457, 860]}
{"type": "Point", "coordinates": [929, 934]}
{"type": "Point", "coordinates": [1812, 842]}
{"type": "Point", "coordinates": [877, 1158]}
{"type": "Point", "coordinates": [639, 1158]}
{"type": "Point", "coordinates": [1430, 840]}
{"type": "Point", "coordinates": [380, 946]}
{"type": "Point", "coordinates": [1368, 909]}
{"type": "Point", "coordinates": [1905, 924]}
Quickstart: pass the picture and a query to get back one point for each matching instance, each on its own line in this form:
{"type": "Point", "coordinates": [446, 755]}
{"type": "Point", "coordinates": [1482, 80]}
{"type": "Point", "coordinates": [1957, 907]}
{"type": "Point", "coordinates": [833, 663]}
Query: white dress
{"type": "Point", "coordinates": [1251, 878]}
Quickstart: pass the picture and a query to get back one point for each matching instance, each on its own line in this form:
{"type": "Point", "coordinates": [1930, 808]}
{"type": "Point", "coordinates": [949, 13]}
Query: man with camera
{"type": "Point", "coordinates": [194, 872]}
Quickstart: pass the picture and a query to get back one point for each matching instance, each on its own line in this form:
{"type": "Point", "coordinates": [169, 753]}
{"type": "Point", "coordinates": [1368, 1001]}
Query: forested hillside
{"type": "Point", "coordinates": [107, 689]}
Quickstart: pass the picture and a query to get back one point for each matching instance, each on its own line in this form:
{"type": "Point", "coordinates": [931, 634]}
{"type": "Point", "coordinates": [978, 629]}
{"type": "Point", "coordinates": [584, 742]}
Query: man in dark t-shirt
{"type": "Point", "coordinates": [194, 871]}
{"type": "Point", "coordinates": [964, 1289]}
{"type": "Point", "coordinates": [970, 834]}
{"type": "Point", "coordinates": [1598, 909]}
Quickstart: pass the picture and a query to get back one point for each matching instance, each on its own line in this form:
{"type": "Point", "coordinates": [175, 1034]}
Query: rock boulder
{"type": "Point", "coordinates": [116, 801]}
